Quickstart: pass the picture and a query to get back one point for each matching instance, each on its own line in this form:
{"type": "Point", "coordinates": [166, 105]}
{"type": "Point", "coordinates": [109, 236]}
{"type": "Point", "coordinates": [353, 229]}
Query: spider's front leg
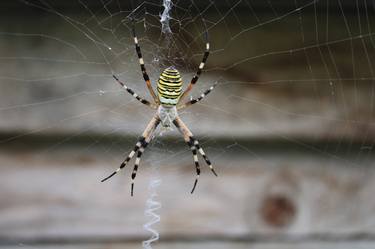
{"type": "Point", "coordinates": [142, 65]}
{"type": "Point", "coordinates": [140, 146]}
{"type": "Point", "coordinates": [199, 71]}
{"type": "Point", "coordinates": [194, 146]}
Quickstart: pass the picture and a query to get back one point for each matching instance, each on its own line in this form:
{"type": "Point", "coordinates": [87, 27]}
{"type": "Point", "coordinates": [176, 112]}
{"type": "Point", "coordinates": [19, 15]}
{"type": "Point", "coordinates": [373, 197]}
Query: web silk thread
{"type": "Point", "coordinates": [165, 17]}
{"type": "Point", "coordinates": [152, 205]}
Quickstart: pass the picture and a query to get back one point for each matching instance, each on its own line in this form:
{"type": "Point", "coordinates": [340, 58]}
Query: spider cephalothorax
{"type": "Point", "coordinates": [167, 102]}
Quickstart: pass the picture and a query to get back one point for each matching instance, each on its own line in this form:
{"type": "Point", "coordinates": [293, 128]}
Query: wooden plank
{"type": "Point", "coordinates": [213, 245]}
{"type": "Point", "coordinates": [58, 194]}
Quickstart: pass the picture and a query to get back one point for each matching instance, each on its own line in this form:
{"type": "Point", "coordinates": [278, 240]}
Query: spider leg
{"type": "Point", "coordinates": [138, 160]}
{"type": "Point", "coordinates": [193, 101]}
{"type": "Point", "coordinates": [194, 146]}
{"type": "Point", "coordinates": [140, 145]}
{"type": "Point", "coordinates": [200, 68]}
{"type": "Point", "coordinates": [201, 151]}
{"type": "Point", "coordinates": [142, 64]}
{"type": "Point", "coordinates": [196, 162]}
{"type": "Point", "coordinates": [140, 99]}
{"type": "Point", "coordinates": [139, 155]}
{"type": "Point", "coordinates": [136, 165]}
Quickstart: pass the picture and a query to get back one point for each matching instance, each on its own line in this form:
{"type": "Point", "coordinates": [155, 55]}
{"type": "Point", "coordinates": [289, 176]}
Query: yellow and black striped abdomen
{"type": "Point", "coordinates": [169, 87]}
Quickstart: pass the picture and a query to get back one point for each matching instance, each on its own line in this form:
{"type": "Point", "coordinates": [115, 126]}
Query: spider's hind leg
{"type": "Point", "coordinates": [128, 158]}
{"type": "Point", "coordinates": [194, 146]}
{"type": "Point", "coordinates": [196, 162]}
{"type": "Point", "coordinates": [139, 147]}
{"type": "Point", "coordinates": [136, 164]}
{"type": "Point", "coordinates": [201, 151]}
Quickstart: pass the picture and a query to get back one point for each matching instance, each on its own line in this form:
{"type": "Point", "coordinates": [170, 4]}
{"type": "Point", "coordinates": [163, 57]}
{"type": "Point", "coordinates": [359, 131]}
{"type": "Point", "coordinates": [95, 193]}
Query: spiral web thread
{"type": "Point", "coordinates": [152, 205]}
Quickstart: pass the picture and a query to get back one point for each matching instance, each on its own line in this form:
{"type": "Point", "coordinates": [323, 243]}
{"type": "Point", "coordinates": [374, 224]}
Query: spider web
{"type": "Point", "coordinates": [299, 74]}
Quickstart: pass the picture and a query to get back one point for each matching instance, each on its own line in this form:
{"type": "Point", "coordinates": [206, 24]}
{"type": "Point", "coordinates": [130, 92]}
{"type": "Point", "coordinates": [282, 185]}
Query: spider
{"type": "Point", "coordinates": [167, 102]}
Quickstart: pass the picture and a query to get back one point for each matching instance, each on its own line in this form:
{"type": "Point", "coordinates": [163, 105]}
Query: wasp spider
{"type": "Point", "coordinates": [167, 102]}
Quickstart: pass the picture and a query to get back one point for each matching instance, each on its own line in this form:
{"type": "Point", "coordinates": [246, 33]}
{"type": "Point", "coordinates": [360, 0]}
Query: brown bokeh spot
{"type": "Point", "coordinates": [278, 211]}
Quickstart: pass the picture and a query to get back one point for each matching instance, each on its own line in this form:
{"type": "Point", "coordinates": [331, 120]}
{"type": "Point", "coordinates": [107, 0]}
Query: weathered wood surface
{"type": "Point", "coordinates": [57, 194]}
{"type": "Point", "coordinates": [212, 245]}
{"type": "Point", "coordinates": [262, 97]}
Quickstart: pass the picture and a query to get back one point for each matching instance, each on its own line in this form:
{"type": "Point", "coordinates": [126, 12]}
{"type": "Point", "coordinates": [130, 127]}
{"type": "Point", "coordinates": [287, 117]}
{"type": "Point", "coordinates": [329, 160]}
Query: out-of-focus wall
{"type": "Point", "coordinates": [289, 128]}
{"type": "Point", "coordinates": [286, 73]}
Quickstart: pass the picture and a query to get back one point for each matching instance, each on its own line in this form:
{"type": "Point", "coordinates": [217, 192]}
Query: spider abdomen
{"type": "Point", "coordinates": [169, 87]}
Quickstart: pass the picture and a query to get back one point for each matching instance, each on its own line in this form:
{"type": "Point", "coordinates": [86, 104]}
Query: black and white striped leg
{"type": "Point", "coordinates": [140, 145]}
{"type": "Point", "coordinates": [193, 101]}
{"type": "Point", "coordinates": [136, 165]}
{"type": "Point", "coordinates": [194, 146]}
{"type": "Point", "coordinates": [196, 162]}
{"type": "Point", "coordinates": [140, 99]}
{"type": "Point", "coordinates": [200, 68]}
{"type": "Point", "coordinates": [201, 151]}
{"type": "Point", "coordinates": [142, 64]}
{"type": "Point", "coordinates": [204, 60]}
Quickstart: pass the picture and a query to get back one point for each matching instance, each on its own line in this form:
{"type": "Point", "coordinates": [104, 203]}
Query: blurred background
{"type": "Point", "coordinates": [289, 127]}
